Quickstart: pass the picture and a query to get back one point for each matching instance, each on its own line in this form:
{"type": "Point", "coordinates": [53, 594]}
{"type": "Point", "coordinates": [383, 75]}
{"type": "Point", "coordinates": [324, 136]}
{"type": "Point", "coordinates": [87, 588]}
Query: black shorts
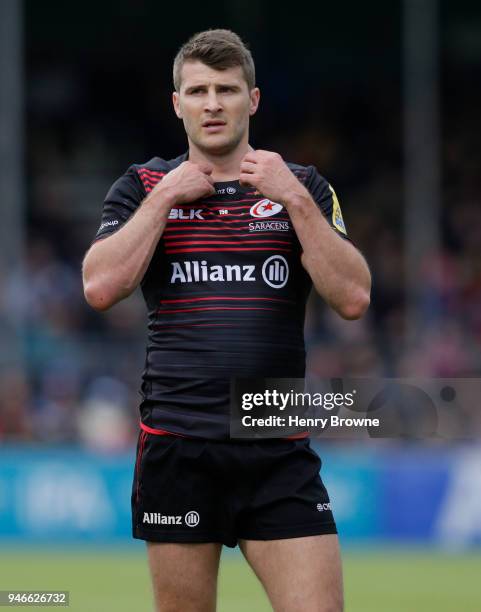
{"type": "Point", "coordinates": [195, 490]}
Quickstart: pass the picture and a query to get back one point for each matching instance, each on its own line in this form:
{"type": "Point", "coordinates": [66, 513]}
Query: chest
{"type": "Point", "coordinates": [229, 223]}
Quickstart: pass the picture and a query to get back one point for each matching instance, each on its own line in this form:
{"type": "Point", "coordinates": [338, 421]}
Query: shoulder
{"type": "Point", "coordinates": [298, 170]}
{"type": "Point", "coordinates": [151, 172]}
{"type": "Point", "coordinates": [140, 178]}
{"type": "Point", "coordinates": [308, 175]}
{"type": "Point", "coordinates": [159, 165]}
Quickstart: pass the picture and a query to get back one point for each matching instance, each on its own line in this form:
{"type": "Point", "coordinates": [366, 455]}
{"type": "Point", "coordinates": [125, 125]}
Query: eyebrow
{"type": "Point", "coordinates": [218, 85]}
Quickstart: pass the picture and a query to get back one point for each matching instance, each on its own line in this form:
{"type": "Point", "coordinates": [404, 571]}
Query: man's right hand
{"type": "Point", "coordinates": [106, 281]}
{"type": "Point", "coordinates": [187, 183]}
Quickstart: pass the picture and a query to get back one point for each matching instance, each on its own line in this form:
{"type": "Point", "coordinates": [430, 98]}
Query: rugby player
{"type": "Point", "coordinates": [225, 242]}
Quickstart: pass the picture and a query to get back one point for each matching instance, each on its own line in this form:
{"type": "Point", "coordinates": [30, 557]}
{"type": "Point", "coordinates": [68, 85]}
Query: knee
{"type": "Point", "coordinates": [334, 604]}
{"type": "Point", "coordinates": [187, 601]}
{"type": "Point", "coordinates": [176, 605]}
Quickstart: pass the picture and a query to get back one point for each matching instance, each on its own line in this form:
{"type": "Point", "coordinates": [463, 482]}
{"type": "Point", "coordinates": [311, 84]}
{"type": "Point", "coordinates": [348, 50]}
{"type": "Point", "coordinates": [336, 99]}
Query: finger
{"type": "Point", "coordinates": [262, 152]}
{"type": "Point", "coordinates": [248, 167]}
{"type": "Point", "coordinates": [251, 156]}
{"type": "Point", "coordinates": [205, 168]}
{"type": "Point", "coordinates": [247, 179]}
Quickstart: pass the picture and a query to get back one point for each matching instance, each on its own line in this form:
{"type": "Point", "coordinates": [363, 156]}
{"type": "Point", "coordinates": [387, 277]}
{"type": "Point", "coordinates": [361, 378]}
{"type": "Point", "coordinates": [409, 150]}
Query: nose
{"type": "Point", "coordinates": [212, 103]}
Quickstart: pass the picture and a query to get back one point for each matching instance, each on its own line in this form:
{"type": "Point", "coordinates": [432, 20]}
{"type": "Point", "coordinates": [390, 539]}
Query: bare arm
{"type": "Point", "coordinates": [114, 266]}
{"type": "Point", "coordinates": [337, 269]}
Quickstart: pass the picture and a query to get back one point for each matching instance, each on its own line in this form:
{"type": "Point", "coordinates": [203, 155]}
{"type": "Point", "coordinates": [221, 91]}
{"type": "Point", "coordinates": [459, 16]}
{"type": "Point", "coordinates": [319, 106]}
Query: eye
{"type": "Point", "coordinates": [195, 90]}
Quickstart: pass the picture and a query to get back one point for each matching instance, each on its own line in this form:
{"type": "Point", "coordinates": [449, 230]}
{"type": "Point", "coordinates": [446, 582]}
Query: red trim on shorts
{"type": "Point", "coordinates": [298, 436]}
{"type": "Point", "coordinates": [160, 432]}
{"type": "Point", "coordinates": [164, 432]}
{"type": "Point", "coordinates": [143, 435]}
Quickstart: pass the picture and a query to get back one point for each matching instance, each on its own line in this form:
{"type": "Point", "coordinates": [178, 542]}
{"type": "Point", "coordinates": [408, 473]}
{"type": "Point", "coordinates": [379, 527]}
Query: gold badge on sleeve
{"type": "Point", "coordinates": [337, 219]}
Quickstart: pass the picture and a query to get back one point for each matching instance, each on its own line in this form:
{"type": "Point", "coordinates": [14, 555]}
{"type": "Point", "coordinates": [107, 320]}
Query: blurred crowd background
{"type": "Point", "coordinates": [97, 90]}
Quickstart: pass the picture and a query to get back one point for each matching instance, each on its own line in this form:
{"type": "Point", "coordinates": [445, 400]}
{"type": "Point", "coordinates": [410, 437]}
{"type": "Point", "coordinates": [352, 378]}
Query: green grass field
{"type": "Point", "coordinates": [382, 580]}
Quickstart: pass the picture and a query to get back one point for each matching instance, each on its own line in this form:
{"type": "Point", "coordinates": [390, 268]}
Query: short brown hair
{"type": "Point", "coordinates": [219, 49]}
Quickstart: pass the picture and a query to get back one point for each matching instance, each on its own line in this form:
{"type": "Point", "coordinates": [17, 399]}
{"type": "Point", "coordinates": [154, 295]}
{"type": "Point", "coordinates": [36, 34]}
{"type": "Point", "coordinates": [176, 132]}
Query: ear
{"type": "Point", "coordinates": [255, 95]}
{"type": "Point", "coordinates": [176, 103]}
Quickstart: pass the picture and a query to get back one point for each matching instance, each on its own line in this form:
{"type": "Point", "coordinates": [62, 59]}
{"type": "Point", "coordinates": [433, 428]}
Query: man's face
{"type": "Point", "coordinates": [215, 106]}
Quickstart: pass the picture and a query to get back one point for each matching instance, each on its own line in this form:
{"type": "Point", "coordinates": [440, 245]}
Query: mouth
{"type": "Point", "coordinates": [213, 125]}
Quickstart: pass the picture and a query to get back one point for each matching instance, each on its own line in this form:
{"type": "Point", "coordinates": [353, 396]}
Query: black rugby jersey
{"type": "Point", "coordinates": [225, 292]}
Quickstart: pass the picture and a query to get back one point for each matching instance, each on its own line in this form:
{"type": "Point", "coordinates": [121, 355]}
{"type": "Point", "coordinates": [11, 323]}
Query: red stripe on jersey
{"type": "Point", "coordinates": [151, 177]}
{"type": "Point", "coordinates": [245, 207]}
{"type": "Point", "coordinates": [147, 172]}
{"type": "Point", "coordinates": [150, 184]}
{"type": "Point", "coordinates": [162, 311]}
{"type": "Point", "coordinates": [169, 243]}
{"type": "Point", "coordinates": [223, 235]}
{"type": "Point", "coordinates": [201, 299]}
{"type": "Point", "coordinates": [210, 208]}
{"type": "Point", "coordinates": [226, 202]}
{"type": "Point", "coordinates": [213, 212]}
{"type": "Point", "coordinates": [221, 220]}
{"type": "Point", "coordinates": [200, 250]}
{"type": "Point", "coordinates": [203, 227]}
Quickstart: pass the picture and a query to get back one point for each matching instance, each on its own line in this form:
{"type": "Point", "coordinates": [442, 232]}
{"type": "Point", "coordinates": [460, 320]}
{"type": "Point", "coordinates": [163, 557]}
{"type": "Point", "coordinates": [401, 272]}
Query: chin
{"type": "Point", "coordinates": [218, 148]}
{"type": "Point", "coordinates": [218, 144]}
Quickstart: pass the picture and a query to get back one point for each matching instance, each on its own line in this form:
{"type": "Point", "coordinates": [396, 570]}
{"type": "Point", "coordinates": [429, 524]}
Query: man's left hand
{"type": "Point", "coordinates": [269, 174]}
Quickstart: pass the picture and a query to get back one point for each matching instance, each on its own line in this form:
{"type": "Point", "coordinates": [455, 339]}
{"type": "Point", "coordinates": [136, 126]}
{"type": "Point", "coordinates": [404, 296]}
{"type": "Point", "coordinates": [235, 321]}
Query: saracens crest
{"type": "Point", "coordinates": [265, 208]}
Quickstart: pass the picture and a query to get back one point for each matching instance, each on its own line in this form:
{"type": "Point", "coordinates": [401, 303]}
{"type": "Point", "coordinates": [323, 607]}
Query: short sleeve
{"type": "Point", "coordinates": [121, 201]}
{"type": "Point", "coordinates": [325, 197]}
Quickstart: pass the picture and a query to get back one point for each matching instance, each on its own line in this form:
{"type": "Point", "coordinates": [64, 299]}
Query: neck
{"type": "Point", "coordinates": [226, 165]}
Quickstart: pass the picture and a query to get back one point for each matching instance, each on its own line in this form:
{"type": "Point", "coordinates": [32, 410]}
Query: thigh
{"type": "Point", "coordinates": [298, 573]}
{"type": "Point", "coordinates": [184, 576]}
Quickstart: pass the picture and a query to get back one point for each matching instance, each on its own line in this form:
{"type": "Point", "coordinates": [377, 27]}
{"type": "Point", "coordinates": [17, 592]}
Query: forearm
{"type": "Point", "coordinates": [114, 266]}
{"type": "Point", "coordinates": [337, 269]}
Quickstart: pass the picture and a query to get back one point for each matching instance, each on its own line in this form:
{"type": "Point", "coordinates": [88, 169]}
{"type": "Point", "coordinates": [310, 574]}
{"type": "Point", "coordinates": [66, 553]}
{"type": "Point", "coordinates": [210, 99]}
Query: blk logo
{"type": "Point", "coordinates": [190, 213]}
{"type": "Point", "coordinates": [275, 271]}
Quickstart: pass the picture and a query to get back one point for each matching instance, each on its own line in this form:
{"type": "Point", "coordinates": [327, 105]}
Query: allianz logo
{"type": "Point", "coordinates": [191, 519]}
{"type": "Point", "coordinates": [274, 272]}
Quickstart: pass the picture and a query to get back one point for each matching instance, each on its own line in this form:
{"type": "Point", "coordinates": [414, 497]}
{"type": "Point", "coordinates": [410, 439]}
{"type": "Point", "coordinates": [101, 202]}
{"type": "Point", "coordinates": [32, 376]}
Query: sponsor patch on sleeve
{"type": "Point", "coordinates": [108, 224]}
{"type": "Point", "coordinates": [337, 219]}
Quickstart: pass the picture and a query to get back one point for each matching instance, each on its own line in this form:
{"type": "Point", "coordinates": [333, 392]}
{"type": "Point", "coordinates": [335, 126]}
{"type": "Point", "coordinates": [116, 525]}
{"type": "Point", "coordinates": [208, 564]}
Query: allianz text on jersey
{"type": "Point", "coordinates": [274, 272]}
